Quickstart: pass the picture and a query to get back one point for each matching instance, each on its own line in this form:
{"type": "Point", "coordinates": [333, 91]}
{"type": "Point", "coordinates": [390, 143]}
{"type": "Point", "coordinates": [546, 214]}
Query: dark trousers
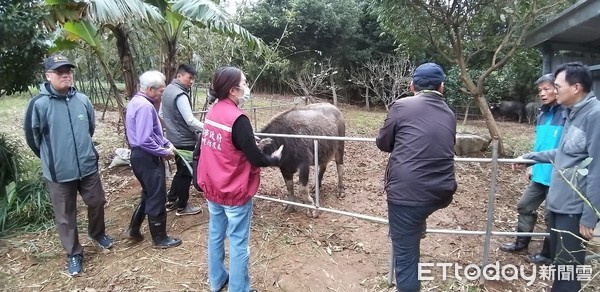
{"type": "Point", "coordinates": [64, 204]}
{"type": "Point", "coordinates": [407, 224]}
{"type": "Point", "coordinates": [180, 187]}
{"type": "Point", "coordinates": [532, 198]}
{"type": "Point", "coordinates": [566, 249]}
{"type": "Point", "coordinates": [150, 172]}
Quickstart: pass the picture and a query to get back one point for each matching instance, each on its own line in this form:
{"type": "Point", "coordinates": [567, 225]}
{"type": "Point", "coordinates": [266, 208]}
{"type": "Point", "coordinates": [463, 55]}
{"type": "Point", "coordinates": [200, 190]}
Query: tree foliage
{"type": "Point", "coordinates": [472, 34]}
{"type": "Point", "coordinates": [22, 44]}
{"type": "Point", "coordinates": [315, 31]}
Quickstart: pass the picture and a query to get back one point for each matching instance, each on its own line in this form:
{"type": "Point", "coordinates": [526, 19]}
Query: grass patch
{"type": "Point", "coordinates": [364, 123]}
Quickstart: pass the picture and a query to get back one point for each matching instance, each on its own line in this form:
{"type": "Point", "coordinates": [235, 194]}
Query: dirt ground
{"type": "Point", "coordinates": [289, 252]}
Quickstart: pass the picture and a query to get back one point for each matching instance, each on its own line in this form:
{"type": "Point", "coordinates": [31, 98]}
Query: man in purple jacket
{"type": "Point", "coordinates": [419, 133]}
{"type": "Point", "coordinates": [148, 150]}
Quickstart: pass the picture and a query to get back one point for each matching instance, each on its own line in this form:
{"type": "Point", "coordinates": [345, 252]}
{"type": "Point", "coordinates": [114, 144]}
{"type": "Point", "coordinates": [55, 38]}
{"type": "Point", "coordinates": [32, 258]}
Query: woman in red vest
{"type": "Point", "coordinates": [229, 174]}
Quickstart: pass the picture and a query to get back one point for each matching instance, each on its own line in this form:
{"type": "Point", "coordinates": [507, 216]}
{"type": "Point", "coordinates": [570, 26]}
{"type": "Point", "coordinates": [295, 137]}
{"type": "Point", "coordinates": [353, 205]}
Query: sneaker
{"type": "Point", "coordinates": [171, 205]}
{"type": "Point", "coordinates": [104, 241]}
{"type": "Point", "coordinates": [188, 210]}
{"type": "Point", "coordinates": [74, 264]}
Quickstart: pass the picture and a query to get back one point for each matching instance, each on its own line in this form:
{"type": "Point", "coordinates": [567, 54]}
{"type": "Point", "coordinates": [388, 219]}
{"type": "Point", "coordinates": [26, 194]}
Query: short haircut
{"type": "Point", "coordinates": [223, 80]}
{"type": "Point", "coordinates": [185, 68]}
{"type": "Point", "coordinates": [546, 78]}
{"type": "Point", "coordinates": [576, 72]}
{"type": "Point", "coordinates": [151, 79]}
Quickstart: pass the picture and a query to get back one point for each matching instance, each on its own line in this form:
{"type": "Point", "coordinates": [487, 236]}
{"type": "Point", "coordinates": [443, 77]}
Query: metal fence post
{"type": "Point", "coordinates": [316, 155]}
{"type": "Point", "coordinates": [490, 209]}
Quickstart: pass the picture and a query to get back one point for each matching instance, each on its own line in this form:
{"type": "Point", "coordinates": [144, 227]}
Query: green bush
{"type": "Point", "coordinates": [24, 202]}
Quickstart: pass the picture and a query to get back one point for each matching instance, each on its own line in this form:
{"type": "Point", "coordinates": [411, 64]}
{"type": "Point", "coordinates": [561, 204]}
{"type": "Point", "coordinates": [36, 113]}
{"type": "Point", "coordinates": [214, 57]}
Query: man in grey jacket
{"type": "Point", "coordinates": [181, 127]}
{"type": "Point", "coordinates": [59, 125]}
{"type": "Point", "coordinates": [573, 214]}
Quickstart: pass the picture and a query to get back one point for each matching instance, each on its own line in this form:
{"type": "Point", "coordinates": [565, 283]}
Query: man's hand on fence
{"type": "Point", "coordinates": [516, 166]}
{"type": "Point", "coordinates": [587, 233]}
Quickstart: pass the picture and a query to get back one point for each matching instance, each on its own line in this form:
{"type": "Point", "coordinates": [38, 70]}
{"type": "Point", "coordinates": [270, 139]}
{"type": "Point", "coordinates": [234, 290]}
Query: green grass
{"type": "Point", "coordinates": [363, 123]}
{"type": "Point", "coordinates": [14, 101]}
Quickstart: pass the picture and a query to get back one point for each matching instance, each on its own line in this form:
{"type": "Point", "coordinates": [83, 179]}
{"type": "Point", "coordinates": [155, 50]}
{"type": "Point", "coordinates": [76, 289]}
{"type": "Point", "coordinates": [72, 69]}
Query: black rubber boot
{"type": "Point", "coordinates": [158, 229]}
{"type": "Point", "coordinates": [133, 232]}
{"type": "Point", "coordinates": [522, 243]}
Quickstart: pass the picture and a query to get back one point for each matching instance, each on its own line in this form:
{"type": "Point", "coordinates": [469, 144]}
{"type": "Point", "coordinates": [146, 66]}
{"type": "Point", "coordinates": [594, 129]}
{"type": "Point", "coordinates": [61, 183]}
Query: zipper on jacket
{"type": "Point", "coordinates": [73, 134]}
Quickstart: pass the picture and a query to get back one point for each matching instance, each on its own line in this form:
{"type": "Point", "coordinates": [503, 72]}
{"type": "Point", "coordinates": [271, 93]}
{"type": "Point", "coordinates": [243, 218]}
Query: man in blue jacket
{"type": "Point", "coordinates": [548, 130]}
{"type": "Point", "coordinates": [419, 133]}
{"type": "Point", "coordinates": [59, 125]}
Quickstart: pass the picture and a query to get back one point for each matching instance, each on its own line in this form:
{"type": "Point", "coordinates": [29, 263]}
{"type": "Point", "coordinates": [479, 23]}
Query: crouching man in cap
{"type": "Point", "coordinates": [419, 133]}
{"type": "Point", "coordinates": [59, 125]}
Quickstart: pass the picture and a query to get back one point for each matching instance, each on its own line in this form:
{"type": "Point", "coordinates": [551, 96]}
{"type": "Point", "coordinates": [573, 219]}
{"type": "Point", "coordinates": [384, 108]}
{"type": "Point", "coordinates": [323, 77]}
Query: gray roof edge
{"type": "Point", "coordinates": [553, 26]}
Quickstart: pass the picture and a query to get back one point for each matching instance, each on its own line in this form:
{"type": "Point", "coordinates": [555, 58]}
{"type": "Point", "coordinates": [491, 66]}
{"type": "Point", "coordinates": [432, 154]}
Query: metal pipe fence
{"type": "Point", "coordinates": [487, 233]}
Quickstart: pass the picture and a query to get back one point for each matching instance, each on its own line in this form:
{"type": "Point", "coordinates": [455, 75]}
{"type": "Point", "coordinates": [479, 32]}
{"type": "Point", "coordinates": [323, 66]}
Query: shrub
{"type": "Point", "coordinates": [24, 202]}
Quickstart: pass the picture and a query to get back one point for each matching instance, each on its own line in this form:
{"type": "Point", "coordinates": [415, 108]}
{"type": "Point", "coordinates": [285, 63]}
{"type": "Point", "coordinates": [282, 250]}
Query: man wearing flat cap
{"type": "Point", "coordinates": [59, 124]}
{"type": "Point", "coordinates": [419, 133]}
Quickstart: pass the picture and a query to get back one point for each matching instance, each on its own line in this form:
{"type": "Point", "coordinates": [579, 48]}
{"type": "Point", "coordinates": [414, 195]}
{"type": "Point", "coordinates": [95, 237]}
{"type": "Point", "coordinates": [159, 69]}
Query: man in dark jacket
{"type": "Point", "coordinates": [181, 127]}
{"type": "Point", "coordinates": [419, 132]}
{"type": "Point", "coordinates": [59, 125]}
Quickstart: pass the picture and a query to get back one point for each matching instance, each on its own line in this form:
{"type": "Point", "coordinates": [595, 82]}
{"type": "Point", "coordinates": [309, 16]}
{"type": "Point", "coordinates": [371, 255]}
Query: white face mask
{"type": "Point", "coordinates": [244, 98]}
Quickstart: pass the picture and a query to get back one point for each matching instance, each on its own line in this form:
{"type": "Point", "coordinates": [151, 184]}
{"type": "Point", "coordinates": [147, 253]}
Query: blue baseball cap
{"type": "Point", "coordinates": [429, 74]}
{"type": "Point", "coordinates": [55, 61]}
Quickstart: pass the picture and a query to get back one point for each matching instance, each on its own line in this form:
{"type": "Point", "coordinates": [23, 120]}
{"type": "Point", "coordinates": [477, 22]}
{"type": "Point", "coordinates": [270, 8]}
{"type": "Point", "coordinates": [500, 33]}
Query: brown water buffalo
{"type": "Point", "coordinates": [320, 119]}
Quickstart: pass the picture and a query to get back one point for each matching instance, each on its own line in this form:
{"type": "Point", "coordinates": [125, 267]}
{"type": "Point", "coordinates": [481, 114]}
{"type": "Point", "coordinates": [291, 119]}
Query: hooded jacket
{"type": "Point", "coordinates": [580, 140]}
{"type": "Point", "coordinates": [59, 129]}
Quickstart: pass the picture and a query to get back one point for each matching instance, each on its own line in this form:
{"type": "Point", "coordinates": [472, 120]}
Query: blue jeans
{"type": "Point", "coordinates": [235, 222]}
{"type": "Point", "coordinates": [407, 224]}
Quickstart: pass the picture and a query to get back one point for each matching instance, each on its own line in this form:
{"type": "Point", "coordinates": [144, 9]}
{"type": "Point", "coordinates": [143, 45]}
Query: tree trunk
{"type": "Point", "coordinates": [490, 122]}
{"type": "Point", "coordinates": [304, 89]}
{"type": "Point", "coordinates": [126, 58]}
{"type": "Point", "coordinates": [367, 99]}
{"type": "Point", "coordinates": [467, 113]}
{"type": "Point", "coordinates": [115, 92]}
{"type": "Point", "coordinates": [169, 59]}
{"type": "Point", "coordinates": [333, 90]}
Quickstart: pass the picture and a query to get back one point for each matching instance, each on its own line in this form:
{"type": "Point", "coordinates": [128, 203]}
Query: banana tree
{"type": "Point", "coordinates": [179, 14]}
{"type": "Point", "coordinates": [111, 14]}
{"type": "Point", "coordinates": [166, 19]}
{"type": "Point", "coordinates": [74, 32]}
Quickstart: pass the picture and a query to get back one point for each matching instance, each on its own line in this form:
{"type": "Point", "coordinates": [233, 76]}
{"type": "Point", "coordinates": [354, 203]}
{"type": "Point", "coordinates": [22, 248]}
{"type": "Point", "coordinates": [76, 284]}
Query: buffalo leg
{"type": "Point", "coordinates": [289, 184]}
{"type": "Point", "coordinates": [340, 172]}
{"type": "Point", "coordinates": [339, 161]}
{"type": "Point", "coordinates": [304, 189]}
{"type": "Point", "coordinates": [322, 168]}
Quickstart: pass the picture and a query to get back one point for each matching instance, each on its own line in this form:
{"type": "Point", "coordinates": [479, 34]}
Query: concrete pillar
{"type": "Point", "coordinates": [548, 54]}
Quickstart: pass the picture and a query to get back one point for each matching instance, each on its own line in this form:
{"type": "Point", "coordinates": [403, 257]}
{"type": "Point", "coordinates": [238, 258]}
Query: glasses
{"type": "Point", "coordinates": [62, 72]}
